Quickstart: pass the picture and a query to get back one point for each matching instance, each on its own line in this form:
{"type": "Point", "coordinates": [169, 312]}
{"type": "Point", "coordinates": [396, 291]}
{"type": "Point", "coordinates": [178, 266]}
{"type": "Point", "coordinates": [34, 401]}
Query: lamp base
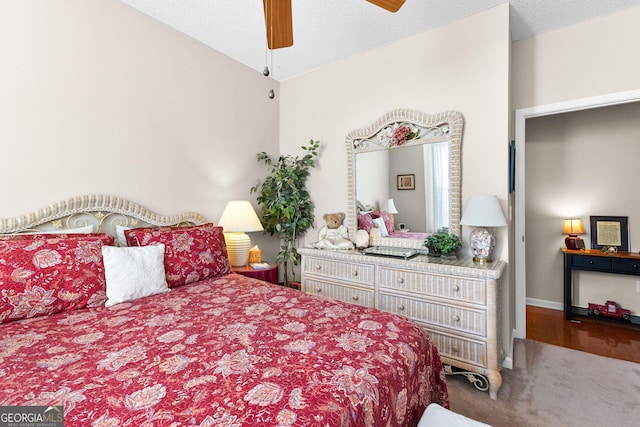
{"type": "Point", "coordinates": [481, 260]}
{"type": "Point", "coordinates": [238, 245]}
{"type": "Point", "coordinates": [573, 241]}
{"type": "Point", "coordinates": [482, 243]}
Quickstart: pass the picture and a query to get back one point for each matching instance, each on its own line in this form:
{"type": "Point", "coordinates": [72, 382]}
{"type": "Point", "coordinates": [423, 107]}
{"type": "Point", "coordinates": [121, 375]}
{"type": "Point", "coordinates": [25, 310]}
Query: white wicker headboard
{"type": "Point", "coordinates": [102, 211]}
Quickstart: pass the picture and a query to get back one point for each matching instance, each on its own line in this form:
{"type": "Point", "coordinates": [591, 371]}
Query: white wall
{"type": "Point", "coordinates": [96, 97]}
{"type": "Point", "coordinates": [463, 66]}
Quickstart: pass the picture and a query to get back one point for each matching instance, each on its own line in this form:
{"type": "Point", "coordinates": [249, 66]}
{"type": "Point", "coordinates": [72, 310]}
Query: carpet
{"type": "Point", "coordinates": [554, 386]}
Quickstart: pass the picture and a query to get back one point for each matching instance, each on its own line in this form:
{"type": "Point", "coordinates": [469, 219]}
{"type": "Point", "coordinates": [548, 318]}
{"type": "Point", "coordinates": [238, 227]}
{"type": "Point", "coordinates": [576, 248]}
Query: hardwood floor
{"type": "Point", "coordinates": [602, 337]}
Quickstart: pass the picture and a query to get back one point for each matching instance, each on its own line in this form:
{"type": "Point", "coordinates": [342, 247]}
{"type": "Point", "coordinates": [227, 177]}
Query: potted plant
{"type": "Point", "coordinates": [442, 242]}
{"type": "Point", "coordinates": [287, 208]}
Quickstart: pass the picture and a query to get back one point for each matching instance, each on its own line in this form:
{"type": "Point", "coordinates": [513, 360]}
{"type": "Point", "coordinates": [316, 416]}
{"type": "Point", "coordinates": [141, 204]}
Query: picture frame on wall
{"type": "Point", "coordinates": [407, 182]}
{"type": "Point", "coordinates": [610, 232]}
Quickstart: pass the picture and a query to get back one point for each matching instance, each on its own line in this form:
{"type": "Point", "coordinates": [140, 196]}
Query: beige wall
{"type": "Point", "coordinates": [96, 97]}
{"type": "Point", "coordinates": [463, 66]}
{"type": "Point", "coordinates": [594, 58]}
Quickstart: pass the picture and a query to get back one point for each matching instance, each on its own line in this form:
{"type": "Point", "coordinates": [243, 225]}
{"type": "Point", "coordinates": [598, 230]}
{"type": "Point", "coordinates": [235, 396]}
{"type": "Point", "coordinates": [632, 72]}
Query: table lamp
{"type": "Point", "coordinates": [238, 218]}
{"type": "Point", "coordinates": [483, 211]}
{"type": "Point", "coordinates": [391, 207]}
{"type": "Point", "coordinates": [573, 227]}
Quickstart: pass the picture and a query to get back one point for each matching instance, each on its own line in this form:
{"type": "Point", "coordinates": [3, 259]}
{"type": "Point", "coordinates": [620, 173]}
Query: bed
{"type": "Point", "coordinates": [208, 348]}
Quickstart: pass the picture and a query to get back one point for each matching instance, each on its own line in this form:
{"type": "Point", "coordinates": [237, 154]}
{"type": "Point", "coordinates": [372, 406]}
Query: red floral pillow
{"type": "Point", "coordinates": [387, 218]}
{"type": "Point", "coordinates": [45, 275]}
{"type": "Point", "coordinates": [365, 222]}
{"type": "Point", "coordinates": [35, 236]}
{"type": "Point", "coordinates": [191, 253]}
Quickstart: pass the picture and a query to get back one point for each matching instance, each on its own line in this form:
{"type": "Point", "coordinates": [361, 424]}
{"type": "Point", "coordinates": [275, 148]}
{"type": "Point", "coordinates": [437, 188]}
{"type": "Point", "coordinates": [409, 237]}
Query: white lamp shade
{"type": "Point", "coordinates": [238, 217]}
{"type": "Point", "coordinates": [391, 207]}
{"type": "Point", "coordinates": [483, 211]}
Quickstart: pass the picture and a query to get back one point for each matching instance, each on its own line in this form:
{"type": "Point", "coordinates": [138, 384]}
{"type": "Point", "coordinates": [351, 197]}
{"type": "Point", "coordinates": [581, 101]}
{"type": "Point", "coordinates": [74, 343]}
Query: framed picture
{"type": "Point", "coordinates": [406, 182]}
{"type": "Point", "coordinates": [610, 232]}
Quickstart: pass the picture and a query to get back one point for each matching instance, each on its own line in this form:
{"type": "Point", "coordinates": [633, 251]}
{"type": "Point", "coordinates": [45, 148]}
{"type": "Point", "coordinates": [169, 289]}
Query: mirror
{"type": "Point", "coordinates": [413, 159]}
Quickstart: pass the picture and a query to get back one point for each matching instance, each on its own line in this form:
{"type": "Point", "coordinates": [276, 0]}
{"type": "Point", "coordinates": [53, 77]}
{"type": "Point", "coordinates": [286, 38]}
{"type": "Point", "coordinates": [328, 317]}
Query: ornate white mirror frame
{"type": "Point", "coordinates": [446, 126]}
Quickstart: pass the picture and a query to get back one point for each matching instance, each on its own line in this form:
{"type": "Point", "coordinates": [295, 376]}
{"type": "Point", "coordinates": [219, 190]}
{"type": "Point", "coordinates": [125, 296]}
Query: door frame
{"type": "Point", "coordinates": [520, 137]}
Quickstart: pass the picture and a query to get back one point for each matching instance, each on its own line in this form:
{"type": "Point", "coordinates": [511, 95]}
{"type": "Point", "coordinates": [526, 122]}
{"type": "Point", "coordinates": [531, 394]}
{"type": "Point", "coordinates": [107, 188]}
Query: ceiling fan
{"type": "Point", "coordinates": [277, 16]}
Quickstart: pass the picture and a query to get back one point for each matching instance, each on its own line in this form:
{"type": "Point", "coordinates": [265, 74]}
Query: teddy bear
{"type": "Point", "coordinates": [334, 234]}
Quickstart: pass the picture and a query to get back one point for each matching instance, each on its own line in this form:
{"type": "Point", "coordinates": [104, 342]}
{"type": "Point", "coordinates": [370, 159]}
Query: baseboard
{"type": "Point", "coordinates": [553, 305]}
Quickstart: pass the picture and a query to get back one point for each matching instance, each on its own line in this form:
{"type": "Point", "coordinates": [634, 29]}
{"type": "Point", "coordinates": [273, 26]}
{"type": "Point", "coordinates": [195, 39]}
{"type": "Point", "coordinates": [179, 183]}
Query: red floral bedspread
{"type": "Point", "coordinates": [228, 351]}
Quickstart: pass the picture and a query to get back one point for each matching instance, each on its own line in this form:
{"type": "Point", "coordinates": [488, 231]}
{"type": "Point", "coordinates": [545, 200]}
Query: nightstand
{"type": "Point", "coordinates": [268, 274]}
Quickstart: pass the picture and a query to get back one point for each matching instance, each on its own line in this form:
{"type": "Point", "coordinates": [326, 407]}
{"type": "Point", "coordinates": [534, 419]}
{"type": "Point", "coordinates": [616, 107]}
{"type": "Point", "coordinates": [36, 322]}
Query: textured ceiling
{"type": "Point", "coordinates": [325, 31]}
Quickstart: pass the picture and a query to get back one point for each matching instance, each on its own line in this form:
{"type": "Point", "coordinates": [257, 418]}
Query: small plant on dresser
{"type": "Point", "coordinates": [442, 242]}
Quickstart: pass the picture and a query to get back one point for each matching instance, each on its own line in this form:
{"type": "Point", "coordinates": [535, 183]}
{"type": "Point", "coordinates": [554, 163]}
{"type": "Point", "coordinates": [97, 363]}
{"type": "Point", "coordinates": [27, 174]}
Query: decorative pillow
{"type": "Point", "coordinates": [191, 253]}
{"type": "Point", "coordinates": [388, 220]}
{"type": "Point", "coordinates": [365, 222]}
{"type": "Point", "coordinates": [121, 239]}
{"type": "Point", "coordinates": [107, 239]}
{"type": "Point", "coordinates": [45, 275]}
{"type": "Point", "coordinates": [134, 272]}
{"type": "Point", "coordinates": [379, 223]}
{"type": "Point", "coordinates": [78, 230]}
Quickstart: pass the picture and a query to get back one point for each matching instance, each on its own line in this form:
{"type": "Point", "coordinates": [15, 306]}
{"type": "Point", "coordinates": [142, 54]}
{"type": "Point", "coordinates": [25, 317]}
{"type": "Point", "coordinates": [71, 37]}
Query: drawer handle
{"type": "Point", "coordinates": [319, 290]}
{"type": "Point", "coordinates": [455, 349]}
{"type": "Point", "coordinates": [318, 267]}
{"type": "Point", "coordinates": [456, 318]}
{"type": "Point", "coordinates": [355, 273]}
{"type": "Point", "coordinates": [401, 307]}
{"type": "Point", "coordinates": [355, 297]}
{"type": "Point", "coordinates": [635, 265]}
{"type": "Point", "coordinates": [400, 279]}
{"type": "Point", "coordinates": [591, 262]}
{"type": "Point", "coordinates": [456, 288]}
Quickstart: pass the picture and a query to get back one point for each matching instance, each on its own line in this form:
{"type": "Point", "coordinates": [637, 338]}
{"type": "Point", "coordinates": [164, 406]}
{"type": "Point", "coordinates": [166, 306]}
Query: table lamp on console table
{"type": "Point", "coordinates": [573, 227]}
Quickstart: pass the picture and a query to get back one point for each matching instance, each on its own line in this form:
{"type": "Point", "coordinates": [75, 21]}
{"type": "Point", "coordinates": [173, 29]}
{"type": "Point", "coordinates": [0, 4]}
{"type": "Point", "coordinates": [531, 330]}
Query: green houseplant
{"type": "Point", "coordinates": [442, 242]}
{"type": "Point", "coordinates": [287, 208]}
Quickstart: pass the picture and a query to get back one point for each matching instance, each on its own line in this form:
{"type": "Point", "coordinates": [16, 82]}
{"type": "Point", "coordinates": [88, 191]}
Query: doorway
{"type": "Point", "coordinates": [520, 137]}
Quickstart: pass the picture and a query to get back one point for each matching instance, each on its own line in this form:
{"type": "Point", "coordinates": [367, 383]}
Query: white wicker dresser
{"type": "Point", "coordinates": [455, 301]}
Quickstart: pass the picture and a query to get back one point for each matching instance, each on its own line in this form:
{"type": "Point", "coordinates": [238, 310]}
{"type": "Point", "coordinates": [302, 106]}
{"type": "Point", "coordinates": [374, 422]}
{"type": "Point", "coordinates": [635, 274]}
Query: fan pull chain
{"type": "Point", "coordinates": [269, 52]}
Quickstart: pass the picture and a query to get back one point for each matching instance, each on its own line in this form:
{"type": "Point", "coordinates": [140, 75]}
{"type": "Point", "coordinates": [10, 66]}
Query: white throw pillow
{"type": "Point", "coordinates": [133, 272]}
{"type": "Point", "coordinates": [121, 239]}
{"type": "Point", "coordinates": [86, 229]}
{"type": "Point", "coordinates": [379, 223]}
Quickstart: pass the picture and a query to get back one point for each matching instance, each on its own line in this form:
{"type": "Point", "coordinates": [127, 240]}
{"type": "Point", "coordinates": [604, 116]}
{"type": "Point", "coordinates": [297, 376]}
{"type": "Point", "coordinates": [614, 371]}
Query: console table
{"type": "Point", "coordinates": [594, 260]}
{"type": "Point", "coordinates": [455, 301]}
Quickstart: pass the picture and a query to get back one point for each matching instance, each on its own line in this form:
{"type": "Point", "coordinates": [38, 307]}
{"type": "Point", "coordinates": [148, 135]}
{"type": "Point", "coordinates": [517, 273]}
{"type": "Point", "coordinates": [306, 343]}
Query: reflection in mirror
{"type": "Point", "coordinates": [421, 150]}
{"type": "Point", "coordinates": [377, 180]}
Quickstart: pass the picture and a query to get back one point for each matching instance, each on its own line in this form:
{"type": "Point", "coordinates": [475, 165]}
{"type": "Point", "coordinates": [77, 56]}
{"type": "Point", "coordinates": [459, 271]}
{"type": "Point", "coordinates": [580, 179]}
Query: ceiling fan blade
{"type": "Point", "coordinates": [390, 5]}
{"type": "Point", "coordinates": [277, 16]}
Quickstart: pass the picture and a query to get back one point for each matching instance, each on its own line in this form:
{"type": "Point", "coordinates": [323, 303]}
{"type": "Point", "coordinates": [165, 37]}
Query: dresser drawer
{"type": "Point", "coordinates": [591, 262]}
{"type": "Point", "coordinates": [456, 288]}
{"type": "Point", "coordinates": [349, 294]}
{"type": "Point", "coordinates": [630, 266]}
{"type": "Point", "coordinates": [444, 315]}
{"type": "Point", "coordinates": [460, 349]}
{"type": "Point", "coordinates": [344, 271]}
